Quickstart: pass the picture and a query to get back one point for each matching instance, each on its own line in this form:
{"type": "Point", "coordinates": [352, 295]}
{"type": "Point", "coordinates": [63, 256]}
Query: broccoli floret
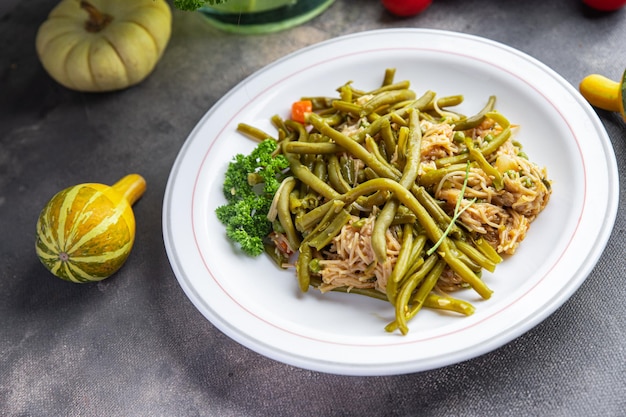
{"type": "Point", "coordinates": [193, 5]}
{"type": "Point", "coordinates": [249, 187]}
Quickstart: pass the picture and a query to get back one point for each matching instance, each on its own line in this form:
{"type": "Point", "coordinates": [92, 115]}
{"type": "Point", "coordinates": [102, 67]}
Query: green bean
{"type": "Point", "coordinates": [371, 130]}
{"type": "Point", "coordinates": [433, 177]}
{"type": "Point", "coordinates": [497, 142]}
{"type": "Point", "coordinates": [356, 93]}
{"type": "Point", "coordinates": [284, 213]}
{"type": "Point", "coordinates": [309, 219]}
{"type": "Point", "coordinates": [418, 300]}
{"type": "Point", "coordinates": [345, 92]}
{"type": "Point", "coordinates": [388, 137]}
{"type": "Point", "coordinates": [282, 135]}
{"type": "Point", "coordinates": [443, 102]}
{"type": "Point", "coordinates": [476, 155]}
{"type": "Point", "coordinates": [486, 249]}
{"type": "Point", "coordinates": [279, 123]}
{"type": "Point", "coordinates": [401, 85]}
{"type": "Point", "coordinates": [366, 174]}
{"type": "Point", "coordinates": [413, 150]}
{"type": "Point", "coordinates": [320, 170]}
{"type": "Point", "coordinates": [402, 263]}
{"type": "Point", "coordinates": [464, 271]}
{"type": "Point", "coordinates": [330, 209]}
{"type": "Point", "coordinates": [329, 226]}
{"type": "Point", "coordinates": [402, 301]}
{"type": "Point", "coordinates": [464, 257]}
{"type": "Point", "coordinates": [316, 137]}
{"type": "Point", "coordinates": [324, 235]}
{"type": "Point", "coordinates": [302, 267]}
{"type": "Point", "coordinates": [439, 302]}
{"type": "Point", "coordinates": [416, 259]}
{"type": "Point", "coordinates": [372, 117]}
{"type": "Point", "coordinates": [396, 118]}
{"type": "Point", "coordinates": [367, 292]}
{"type": "Point", "coordinates": [279, 258]}
{"type": "Point", "coordinates": [310, 198]}
{"type": "Point", "coordinates": [333, 119]}
{"type": "Point", "coordinates": [298, 129]}
{"type": "Point", "coordinates": [499, 119]}
{"type": "Point", "coordinates": [307, 177]}
{"type": "Point", "coordinates": [427, 116]}
{"type": "Point", "coordinates": [253, 132]}
{"type": "Point", "coordinates": [295, 203]}
{"type": "Point", "coordinates": [475, 255]}
{"type": "Point", "coordinates": [372, 147]}
{"type": "Point", "coordinates": [390, 74]}
{"type": "Point", "coordinates": [399, 105]}
{"type": "Point", "coordinates": [419, 103]}
{"type": "Point", "coordinates": [403, 137]}
{"type": "Point", "coordinates": [348, 107]}
{"type": "Point", "coordinates": [317, 148]}
{"type": "Point", "coordinates": [300, 134]}
{"type": "Point", "coordinates": [335, 178]}
{"type": "Point", "coordinates": [377, 199]}
{"type": "Point", "coordinates": [475, 120]}
{"type": "Point", "coordinates": [404, 218]}
{"type": "Point", "coordinates": [347, 169]}
{"type": "Point", "coordinates": [320, 103]}
{"type": "Point", "coordinates": [386, 98]}
{"type": "Point", "coordinates": [381, 224]}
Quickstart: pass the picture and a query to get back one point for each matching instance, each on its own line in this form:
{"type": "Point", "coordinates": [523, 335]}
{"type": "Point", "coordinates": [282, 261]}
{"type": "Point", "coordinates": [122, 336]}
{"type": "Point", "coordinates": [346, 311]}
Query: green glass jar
{"type": "Point", "coordinates": [262, 16]}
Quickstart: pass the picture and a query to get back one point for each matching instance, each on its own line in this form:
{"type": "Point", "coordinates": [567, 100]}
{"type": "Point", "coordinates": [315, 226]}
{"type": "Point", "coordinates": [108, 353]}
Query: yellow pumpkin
{"type": "Point", "coordinates": [103, 45]}
{"type": "Point", "coordinates": [86, 232]}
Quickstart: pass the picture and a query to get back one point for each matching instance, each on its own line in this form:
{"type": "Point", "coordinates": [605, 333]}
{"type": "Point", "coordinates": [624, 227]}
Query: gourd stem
{"type": "Point", "coordinates": [131, 187]}
{"type": "Point", "coordinates": [97, 20]}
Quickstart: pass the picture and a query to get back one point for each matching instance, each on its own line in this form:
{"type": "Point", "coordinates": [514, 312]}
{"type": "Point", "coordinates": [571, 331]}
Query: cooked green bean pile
{"type": "Point", "coordinates": [395, 196]}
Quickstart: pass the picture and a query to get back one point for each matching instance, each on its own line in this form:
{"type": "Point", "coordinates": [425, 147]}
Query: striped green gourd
{"type": "Point", "coordinates": [86, 232]}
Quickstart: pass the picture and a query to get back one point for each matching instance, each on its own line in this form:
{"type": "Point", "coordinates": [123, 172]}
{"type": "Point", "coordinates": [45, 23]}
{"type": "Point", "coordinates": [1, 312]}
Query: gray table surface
{"type": "Point", "coordinates": [134, 345]}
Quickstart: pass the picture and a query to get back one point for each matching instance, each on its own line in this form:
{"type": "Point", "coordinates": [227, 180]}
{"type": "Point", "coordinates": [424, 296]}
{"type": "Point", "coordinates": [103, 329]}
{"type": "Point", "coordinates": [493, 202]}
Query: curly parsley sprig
{"type": "Point", "coordinates": [249, 186]}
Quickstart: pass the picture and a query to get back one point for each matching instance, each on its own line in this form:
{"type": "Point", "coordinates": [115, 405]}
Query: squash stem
{"type": "Point", "coordinates": [131, 187]}
{"type": "Point", "coordinates": [97, 20]}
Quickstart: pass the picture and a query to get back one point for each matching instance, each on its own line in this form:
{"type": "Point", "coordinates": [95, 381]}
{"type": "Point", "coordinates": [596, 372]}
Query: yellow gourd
{"type": "Point", "coordinates": [604, 93]}
{"type": "Point", "coordinates": [86, 232]}
{"type": "Point", "coordinates": [103, 45]}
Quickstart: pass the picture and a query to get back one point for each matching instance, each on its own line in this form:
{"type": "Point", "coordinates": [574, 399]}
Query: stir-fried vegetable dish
{"type": "Point", "coordinates": [387, 194]}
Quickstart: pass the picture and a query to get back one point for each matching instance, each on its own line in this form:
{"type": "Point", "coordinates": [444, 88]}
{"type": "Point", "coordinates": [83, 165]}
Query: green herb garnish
{"type": "Point", "coordinates": [457, 211]}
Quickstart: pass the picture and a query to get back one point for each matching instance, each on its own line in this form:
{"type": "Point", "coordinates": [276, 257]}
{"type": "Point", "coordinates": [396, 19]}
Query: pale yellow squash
{"type": "Point", "coordinates": [103, 45]}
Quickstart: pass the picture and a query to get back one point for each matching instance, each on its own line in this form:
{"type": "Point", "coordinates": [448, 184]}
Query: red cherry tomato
{"type": "Point", "coordinates": [605, 5]}
{"type": "Point", "coordinates": [406, 8]}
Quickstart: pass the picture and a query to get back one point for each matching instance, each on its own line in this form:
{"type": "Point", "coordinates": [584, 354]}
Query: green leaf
{"type": "Point", "coordinates": [193, 5]}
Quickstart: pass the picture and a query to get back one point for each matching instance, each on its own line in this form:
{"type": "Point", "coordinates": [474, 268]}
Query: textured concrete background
{"type": "Point", "coordinates": [134, 345]}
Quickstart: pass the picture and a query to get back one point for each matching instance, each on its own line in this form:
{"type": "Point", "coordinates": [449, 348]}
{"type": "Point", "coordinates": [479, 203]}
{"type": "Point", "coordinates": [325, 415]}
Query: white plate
{"type": "Point", "coordinates": [260, 307]}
